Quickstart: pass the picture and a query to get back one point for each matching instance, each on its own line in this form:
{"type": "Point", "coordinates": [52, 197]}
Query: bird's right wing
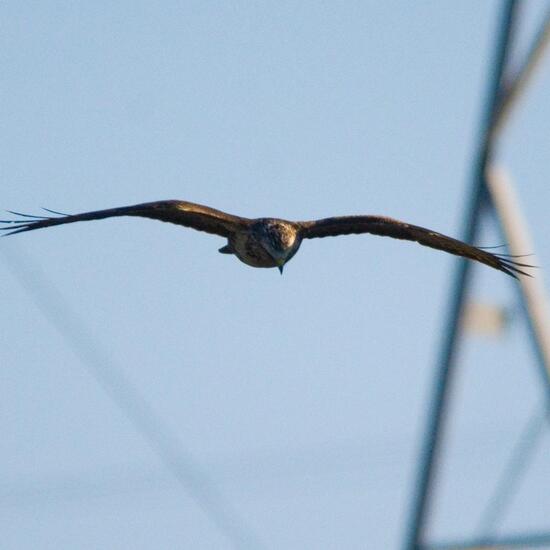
{"type": "Point", "coordinates": [388, 227]}
{"type": "Point", "coordinates": [188, 214]}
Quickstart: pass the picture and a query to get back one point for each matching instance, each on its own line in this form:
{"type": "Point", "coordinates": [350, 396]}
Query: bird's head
{"type": "Point", "coordinates": [279, 239]}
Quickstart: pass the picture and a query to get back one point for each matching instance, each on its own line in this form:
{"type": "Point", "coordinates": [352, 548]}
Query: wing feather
{"type": "Point", "coordinates": [388, 227]}
{"type": "Point", "coordinates": [188, 214]}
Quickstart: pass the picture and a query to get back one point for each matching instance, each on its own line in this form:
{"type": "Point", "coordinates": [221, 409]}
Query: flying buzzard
{"type": "Point", "coordinates": [271, 242]}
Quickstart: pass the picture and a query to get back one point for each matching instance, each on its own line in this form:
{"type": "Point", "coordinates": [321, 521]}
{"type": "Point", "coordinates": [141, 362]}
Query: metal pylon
{"type": "Point", "coordinates": [491, 192]}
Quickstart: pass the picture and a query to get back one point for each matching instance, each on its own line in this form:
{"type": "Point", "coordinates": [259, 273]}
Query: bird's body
{"type": "Point", "coordinates": [272, 242]}
{"type": "Point", "coordinates": [267, 242]}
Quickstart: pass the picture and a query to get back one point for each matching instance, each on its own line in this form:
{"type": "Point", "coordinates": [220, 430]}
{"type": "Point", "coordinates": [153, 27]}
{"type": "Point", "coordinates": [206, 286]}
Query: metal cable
{"type": "Point", "coordinates": [511, 476]}
{"type": "Point", "coordinates": [516, 85]}
{"type": "Point", "coordinates": [56, 310]}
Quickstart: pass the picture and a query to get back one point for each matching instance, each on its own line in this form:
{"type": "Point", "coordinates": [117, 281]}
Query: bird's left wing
{"type": "Point", "coordinates": [388, 227]}
{"type": "Point", "coordinates": [188, 214]}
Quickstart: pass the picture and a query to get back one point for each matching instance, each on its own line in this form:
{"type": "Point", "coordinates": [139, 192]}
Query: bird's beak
{"type": "Point", "coordinates": [280, 268]}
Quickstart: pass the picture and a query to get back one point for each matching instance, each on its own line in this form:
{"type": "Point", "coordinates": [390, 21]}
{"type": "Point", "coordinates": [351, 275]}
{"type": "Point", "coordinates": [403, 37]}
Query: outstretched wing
{"type": "Point", "coordinates": [388, 227]}
{"type": "Point", "coordinates": [183, 213]}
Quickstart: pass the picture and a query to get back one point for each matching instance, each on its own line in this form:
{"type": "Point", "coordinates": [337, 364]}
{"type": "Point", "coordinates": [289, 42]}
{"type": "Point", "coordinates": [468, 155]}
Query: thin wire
{"type": "Point", "coordinates": [520, 541]}
{"type": "Point", "coordinates": [513, 90]}
{"type": "Point", "coordinates": [511, 476]}
{"type": "Point", "coordinates": [56, 310]}
{"type": "Point", "coordinates": [281, 467]}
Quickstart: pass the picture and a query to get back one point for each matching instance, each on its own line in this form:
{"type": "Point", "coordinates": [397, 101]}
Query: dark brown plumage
{"type": "Point", "coordinates": [271, 242]}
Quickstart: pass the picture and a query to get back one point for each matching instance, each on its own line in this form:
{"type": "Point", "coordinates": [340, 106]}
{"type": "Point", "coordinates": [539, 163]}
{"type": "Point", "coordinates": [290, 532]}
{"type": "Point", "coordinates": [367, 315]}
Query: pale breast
{"type": "Point", "coordinates": [250, 251]}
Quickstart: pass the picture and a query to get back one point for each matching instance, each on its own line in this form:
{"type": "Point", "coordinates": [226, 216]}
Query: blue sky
{"type": "Point", "coordinates": [301, 397]}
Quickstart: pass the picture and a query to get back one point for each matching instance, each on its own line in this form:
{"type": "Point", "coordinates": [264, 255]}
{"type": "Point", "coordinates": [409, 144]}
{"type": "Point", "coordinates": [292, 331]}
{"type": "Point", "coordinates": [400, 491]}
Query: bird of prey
{"type": "Point", "coordinates": [271, 242]}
